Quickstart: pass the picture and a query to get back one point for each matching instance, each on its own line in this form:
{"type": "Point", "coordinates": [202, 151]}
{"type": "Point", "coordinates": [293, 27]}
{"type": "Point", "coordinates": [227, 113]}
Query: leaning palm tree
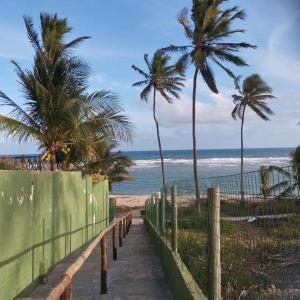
{"type": "Point", "coordinates": [164, 78]}
{"type": "Point", "coordinates": [210, 35]}
{"type": "Point", "coordinates": [290, 185]}
{"type": "Point", "coordinates": [253, 94]}
{"type": "Point", "coordinates": [57, 109]}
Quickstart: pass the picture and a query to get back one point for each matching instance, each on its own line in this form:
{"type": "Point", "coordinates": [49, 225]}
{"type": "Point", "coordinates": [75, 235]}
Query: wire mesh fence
{"type": "Point", "coordinates": [259, 224]}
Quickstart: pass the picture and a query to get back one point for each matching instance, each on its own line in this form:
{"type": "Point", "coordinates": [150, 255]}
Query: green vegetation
{"type": "Point", "coordinates": [209, 32]}
{"type": "Point", "coordinates": [257, 258]}
{"type": "Point", "coordinates": [165, 79]}
{"type": "Point", "coordinates": [253, 94]}
{"type": "Point", "coordinates": [292, 182]}
{"type": "Point", "coordinates": [68, 122]}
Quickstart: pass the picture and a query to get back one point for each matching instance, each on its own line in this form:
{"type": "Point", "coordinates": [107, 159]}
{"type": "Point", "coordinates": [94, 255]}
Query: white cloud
{"type": "Point", "coordinates": [216, 111]}
{"type": "Point", "coordinates": [276, 60]}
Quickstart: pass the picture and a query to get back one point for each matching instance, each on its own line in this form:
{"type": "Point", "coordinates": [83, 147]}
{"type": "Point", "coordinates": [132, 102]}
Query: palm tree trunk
{"type": "Point", "coordinates": [53, 165]}
{"type": "Point", "coordinates": [195, 142]}
{"type": "Point", "coordinates": [159, 143]}
{"type": "Point", "coordinates": [242, 156]}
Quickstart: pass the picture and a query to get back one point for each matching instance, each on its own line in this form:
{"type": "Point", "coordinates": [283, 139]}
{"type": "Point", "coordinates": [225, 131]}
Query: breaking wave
{"type": "Point", "coordinates": [213, 162]}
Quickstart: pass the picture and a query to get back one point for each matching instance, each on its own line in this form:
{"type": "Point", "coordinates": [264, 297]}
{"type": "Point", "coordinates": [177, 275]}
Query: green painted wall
{"type": "Point", "coordinates": [180, 280]}
{"type": "Point", "coordinates": [44, 216]}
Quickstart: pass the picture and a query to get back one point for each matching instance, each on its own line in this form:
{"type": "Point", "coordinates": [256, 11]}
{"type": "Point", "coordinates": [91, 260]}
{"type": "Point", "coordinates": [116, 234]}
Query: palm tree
{"type": "Point", "coordinates": [163, 78]}
{"type": "Point", "coordinates": [104, 161]}
{"type": "Point", "coordinates": [291, 182]}
{"type": "Point", "coordinates": [210, 39]}
{"type": "Point", "coordinates": [57, 109]}
{"type": "Point", "coordinates": [253, 94]}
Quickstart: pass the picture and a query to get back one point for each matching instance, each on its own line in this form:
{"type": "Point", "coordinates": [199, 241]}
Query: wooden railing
{"type": "Point", "coordinates": [120, 227]}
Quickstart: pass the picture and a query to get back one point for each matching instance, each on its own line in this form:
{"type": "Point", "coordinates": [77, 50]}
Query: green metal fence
{"type": "Point", "coordinates": [259, 239]}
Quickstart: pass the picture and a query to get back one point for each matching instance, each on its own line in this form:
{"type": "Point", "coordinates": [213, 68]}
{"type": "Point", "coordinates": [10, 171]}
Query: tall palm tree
{"type": "Point", "coordinates": [57, 109]}
{"type": "Point", "coordinates": [291, 182]}
{"type": "Point", "coordinates": [164, 78]}
{"type": "Point", "coordinates": [253, 94]}
{"type": "Point", "coordinates": [209, 33]}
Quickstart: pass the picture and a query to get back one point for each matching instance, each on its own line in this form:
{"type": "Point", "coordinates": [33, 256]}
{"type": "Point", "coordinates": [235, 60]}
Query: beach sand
{"type": "Point", "coordinates": [131, 200]}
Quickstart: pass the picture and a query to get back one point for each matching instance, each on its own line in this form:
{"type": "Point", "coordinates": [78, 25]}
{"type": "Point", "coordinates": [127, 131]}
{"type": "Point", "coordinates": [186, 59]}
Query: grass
{"type": "Point", "coordinates": [257, 258]}
{"type": "Point", "coordinates": [256, 207]}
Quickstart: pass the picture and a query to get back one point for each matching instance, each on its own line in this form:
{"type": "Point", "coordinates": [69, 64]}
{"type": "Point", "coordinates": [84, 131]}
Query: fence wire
{"type": "Point", "coordinates": [259, 232]}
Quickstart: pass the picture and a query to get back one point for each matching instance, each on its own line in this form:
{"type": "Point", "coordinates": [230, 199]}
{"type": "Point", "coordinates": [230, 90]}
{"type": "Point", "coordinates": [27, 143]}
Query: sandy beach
{"type": "Point", "coordinates": [131, 200]}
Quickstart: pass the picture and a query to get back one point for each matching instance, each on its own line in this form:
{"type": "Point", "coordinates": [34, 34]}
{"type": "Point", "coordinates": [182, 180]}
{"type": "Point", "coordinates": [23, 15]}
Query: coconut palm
{"type": "Point", "coordinates": [253, 94]}
{"type": "Point", "coordinates": [164, 78]}
{"type": "Point", "coordinates": [290, 185]}
{"type": "Point", "coordinates": [112, 164]}
{"type": "Point", "coordinates": [57, 109]}
{"type": "Point", "coordinates": [210, 34]}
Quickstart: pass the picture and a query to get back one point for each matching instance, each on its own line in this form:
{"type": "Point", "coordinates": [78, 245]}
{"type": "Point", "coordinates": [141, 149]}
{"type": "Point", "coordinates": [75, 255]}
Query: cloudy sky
{"type": "Point", "coordinates": [122, 31]}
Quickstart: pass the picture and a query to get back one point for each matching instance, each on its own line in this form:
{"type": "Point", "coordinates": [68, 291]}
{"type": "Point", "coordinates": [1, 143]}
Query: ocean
{"type": "Point", "coordinates": [146, 172]}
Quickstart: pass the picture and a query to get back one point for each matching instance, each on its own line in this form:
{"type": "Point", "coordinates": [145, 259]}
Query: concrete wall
{"type": "Point", "coordinates": [44, 216]}
{"type": "Point", "coordinates": [180, 280]}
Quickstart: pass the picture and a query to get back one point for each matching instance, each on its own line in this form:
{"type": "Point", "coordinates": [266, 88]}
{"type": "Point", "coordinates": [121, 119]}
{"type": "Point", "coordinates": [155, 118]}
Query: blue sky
{"type": "Point", "coordinates": [122, 31]}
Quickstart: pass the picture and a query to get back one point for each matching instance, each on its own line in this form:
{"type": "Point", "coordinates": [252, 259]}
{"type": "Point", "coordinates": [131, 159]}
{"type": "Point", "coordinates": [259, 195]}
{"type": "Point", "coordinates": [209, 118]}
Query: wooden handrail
{"type": "Point", "coordinates": [63, 289]}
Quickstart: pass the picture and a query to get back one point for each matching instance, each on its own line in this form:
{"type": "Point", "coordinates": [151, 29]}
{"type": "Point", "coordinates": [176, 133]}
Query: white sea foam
{"type": "Point", "coordinates": [213, 162]}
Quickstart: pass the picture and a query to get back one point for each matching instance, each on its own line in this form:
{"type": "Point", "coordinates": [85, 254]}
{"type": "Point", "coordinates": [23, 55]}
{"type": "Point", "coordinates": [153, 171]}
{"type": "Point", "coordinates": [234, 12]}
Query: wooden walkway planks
{"type": "Point", "coordinates": [137, 274]}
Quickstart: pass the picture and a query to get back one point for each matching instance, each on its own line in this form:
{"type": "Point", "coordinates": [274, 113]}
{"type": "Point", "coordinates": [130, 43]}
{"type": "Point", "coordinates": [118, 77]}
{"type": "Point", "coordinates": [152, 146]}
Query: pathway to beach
{"type": "Point", "coordinates": [136, 274]}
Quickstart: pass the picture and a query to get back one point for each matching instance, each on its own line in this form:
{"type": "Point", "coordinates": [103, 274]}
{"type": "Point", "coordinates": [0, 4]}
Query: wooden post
{"type": "Point", "coordinates": [124, 228]}
{"type": "Point", "coordinates": [103, 265]}
{"type": "Point", "coordinates": [152, 209]}
{"type": "Point", "coordinates": [127, 223]}
{"type": "Point", "coordinates": [214, 261]}
{"type": "Point", "coordinates": [157, 196]}
{"type": "Point", "coordinates": [174, 218]}
{"type": "Point", "coordinates": [120, 234]}
{"type": "Point", "coordinates": [115, 251]}
{"type": "Point", "coordinates": [163, 210]}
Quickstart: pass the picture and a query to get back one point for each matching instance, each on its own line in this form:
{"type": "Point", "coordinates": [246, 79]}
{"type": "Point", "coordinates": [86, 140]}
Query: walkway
{"type": "Point", "coordinates": [137, 274]}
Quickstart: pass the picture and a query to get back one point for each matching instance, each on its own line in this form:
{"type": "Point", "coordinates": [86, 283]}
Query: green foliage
{"type": "Point", "coordinates": [253, 94]}
{"type": "Point", "coordinates": [290, 185]}
{"type": "Point", "coordinates": [58, 110]}
{"type": "Point", "coordinates": [252, 255]}
{"type": "Point", "coordinates": [161, 76]}
{"type": "Point", "coordinates": [188, 219]}
{"type": "Point", "coordinates": [209, 31]}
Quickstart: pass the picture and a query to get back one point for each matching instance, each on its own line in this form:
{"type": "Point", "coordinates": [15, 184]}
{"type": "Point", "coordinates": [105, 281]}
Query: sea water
{"type": "Point", "coordinates": [146, 171]}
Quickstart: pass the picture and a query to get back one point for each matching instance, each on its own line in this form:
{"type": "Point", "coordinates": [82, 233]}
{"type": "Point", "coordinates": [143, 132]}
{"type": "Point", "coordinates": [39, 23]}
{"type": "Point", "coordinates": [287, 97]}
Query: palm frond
{"type": "Point", "coordinates": [31, 33]}
{"type": "Point", "coordinates": [140, 71]}
{"type": "Point", "coordinates": [18, 129]}
{"type": "Point", "coordinates": [184, 21]}
{"type": "Point", "coordinates": [208, 76]}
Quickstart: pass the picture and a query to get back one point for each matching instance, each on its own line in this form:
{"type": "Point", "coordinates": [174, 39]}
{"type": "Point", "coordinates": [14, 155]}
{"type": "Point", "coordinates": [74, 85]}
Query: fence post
{"type": "Point", "coordinates": [120, 234]}
{"type": "Point", "coordinates": [127, 225]}
{"type": "Point", "coordinates": [163, 211]}
{"type": "Point", "coordinates": [174, 218]}
{"type": "Point", "coordinates": [152, 209]}
{"type": "Point", "coordinates": [115, 253]}
{"type": "Point", "coordinates": [214, 261]}
{"type": "Point", "coordinates": [103, 265]}
{"type": "Point", "coordinates": [157, 196]}
{"type": "Point", "coordinates": [124, 228]}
